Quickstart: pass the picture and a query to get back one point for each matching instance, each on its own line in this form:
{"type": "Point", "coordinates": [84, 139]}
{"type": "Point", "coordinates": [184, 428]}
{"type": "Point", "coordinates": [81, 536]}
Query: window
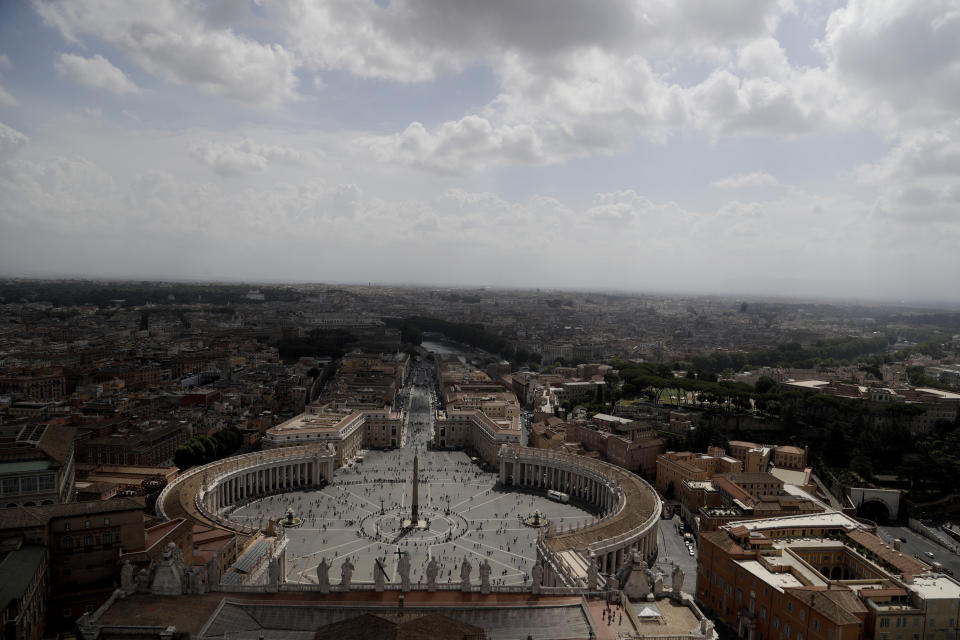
{"type": "Point", "coordinates": [789, 605]}
{"type": "Point", "coordinates": [68, 543]}
{"type": "Point", "coordinates": [87, 540]}
{"type": "Point", "coordinates": [786, 629]}
{"type": "Point", "coordinates": [66, 526]}
{"type": "Point", "coordinates": [803, 614]}
{"type": "Point", "coordinates": [28, 484]}
{"type": "Point", "coordinates": [816, 625]}
{"type": "Point", "coordinates": [66, 612]}
{"type": "Point", "coordinates": [107, 539]}
{"type": "Point", "coordinates": [11, 486]}
{"type": "Point", "coordinates": [86, 524]}
{"type": "Point", "coordinates": [763, 612]}
{"type": "Point", "coordinates": [106, 522]}
{"type": "Point", "coordinates": [884, 622]}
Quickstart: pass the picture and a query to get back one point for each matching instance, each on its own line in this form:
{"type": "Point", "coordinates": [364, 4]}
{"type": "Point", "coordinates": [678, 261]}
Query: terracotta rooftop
{"type": "Point", "coordinates": [840, 606]}
{"type": "Point", "coordinates": [905, 564]}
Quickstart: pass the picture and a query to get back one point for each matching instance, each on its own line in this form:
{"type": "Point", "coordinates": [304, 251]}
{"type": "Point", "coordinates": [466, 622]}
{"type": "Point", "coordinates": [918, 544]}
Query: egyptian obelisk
{"type": "Point", "coordinates": [415, 506]}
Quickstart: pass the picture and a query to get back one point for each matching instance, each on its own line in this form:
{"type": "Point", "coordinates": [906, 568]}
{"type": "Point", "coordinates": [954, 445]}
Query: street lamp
{"type": "Point", "coordinates": [381, 505]}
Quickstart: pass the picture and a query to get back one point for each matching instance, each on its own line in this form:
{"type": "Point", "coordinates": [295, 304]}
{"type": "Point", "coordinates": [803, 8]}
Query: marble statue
{"type": "Point", "coordinates": [432, 570]}
{"type": "Point", "coordinates": [274, 574]}
{"type": "Point", "coordinates": [537, 574]}
{"type": "Point", "coordinates": [677, 579]}
{"type": "Point", "coordinates": [706, 626]}
{"type": "Point", "coordinates": [142, 580]}
{"type": "Point", "coordinates": [403, 568]}
{"type": "Point", "coordinates": [87, 626]}
{"type": "Point", "coordinates": [127, 585]}
{"type": "Point", "coordinates": [485, 576]}
{"type": "Point", "coordinates": [168, 576]}
{"type": "Point", "coordinates": [197, 585]}
{"type": "Point", "coordinates": [379, 576]}
{"type": "Point", "coordinates": [465, 570]}
{"type": "Point", "coordinates": [323, 576]}
{"type": "Point", "coordinates": [346, 573]}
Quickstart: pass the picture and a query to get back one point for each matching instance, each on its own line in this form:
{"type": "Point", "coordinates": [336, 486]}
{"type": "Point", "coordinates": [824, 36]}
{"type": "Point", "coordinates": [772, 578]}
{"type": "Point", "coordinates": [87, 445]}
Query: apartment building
{"type": "Point", "coordinates": [676, 467]}
{"type": "Point", "coordinates": [820, 577]}
{"type": "Point", "coordinates": [36, 463]}
{"type": "Point", "coordinates": [84, 541]}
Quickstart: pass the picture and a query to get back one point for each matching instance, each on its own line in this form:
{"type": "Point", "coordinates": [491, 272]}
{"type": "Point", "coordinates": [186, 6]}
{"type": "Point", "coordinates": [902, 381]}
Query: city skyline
{"type": "Point", "coordinates": [804, 149]}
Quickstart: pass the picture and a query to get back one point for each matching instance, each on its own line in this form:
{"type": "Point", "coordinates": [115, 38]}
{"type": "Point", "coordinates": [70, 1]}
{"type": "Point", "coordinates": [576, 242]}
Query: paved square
{"type": "Point", "coordinates": [358, 516]}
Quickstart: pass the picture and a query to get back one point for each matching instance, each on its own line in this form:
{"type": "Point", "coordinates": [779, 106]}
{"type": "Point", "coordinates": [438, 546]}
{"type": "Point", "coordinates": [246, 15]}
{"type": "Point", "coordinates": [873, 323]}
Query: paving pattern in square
{"type": "Point", "coordinates": [483, 522]}
{"type": "Point", "coordinates": [359, 515]}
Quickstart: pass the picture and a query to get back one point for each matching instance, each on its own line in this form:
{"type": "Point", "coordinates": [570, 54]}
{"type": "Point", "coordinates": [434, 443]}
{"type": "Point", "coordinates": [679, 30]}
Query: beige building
{"type": "Point", "coordinates": [677, 467]}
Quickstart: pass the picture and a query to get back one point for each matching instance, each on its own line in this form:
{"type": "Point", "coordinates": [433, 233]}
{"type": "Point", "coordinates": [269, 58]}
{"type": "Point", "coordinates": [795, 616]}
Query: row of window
{"type": "Point", "coordinates": [86, 524]}
{"type": "Point", "coordinates": [87, 540]}
{"type": "Point", "coordinates": [25, 485]}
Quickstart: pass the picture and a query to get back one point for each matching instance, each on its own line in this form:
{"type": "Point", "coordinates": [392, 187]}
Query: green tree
{"type": "Point", "coordinates": [765, 384]}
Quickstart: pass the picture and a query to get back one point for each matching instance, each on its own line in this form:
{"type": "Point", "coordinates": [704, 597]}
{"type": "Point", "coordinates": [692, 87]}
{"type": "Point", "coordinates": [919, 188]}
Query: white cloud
{"type": "Point", "coordinates": [95, 72]}
{"type": "Point", "coordinates": [746, 180]}
{"type": "Point", "coordinates": [168, 38]}
{"type": "Point", "coordinates": [245, 156]}
{"type": "Point", "coordinates": [10, 140]}
{"type": "Point", "coordinates": [934, 153]}
{"type": "Point", "coordinates": [273, 231]}
{"type": "Point", "coordinates": [918, 179]}
{"type": "Point", "coordinates": [418, 40]}
{"type": "Point", "coordinates": [63, 192]}
{"type": "Point", "coordinates": [469, 143]}
{"type": "Point", "coordinates": [905, 55]}
{"type": "Point", "coordinates": [6, 98]}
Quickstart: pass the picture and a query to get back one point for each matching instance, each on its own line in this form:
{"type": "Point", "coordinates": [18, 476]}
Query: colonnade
{"type": "Point", "coordinates": [232, 480]}
{"type": "Point", "coordinates": [252, 482]}
{"type": "Point", "coordinates": [632, 528]}
{"type": "Point", "coordinates": [585, 484]}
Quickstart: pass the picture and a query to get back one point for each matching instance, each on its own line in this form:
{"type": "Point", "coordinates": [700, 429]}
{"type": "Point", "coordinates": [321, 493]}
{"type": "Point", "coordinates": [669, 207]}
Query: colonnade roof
{"type": "Point", "coordinates": [178, 498]}
{"type": "Point", "coordinates": [641, 501]}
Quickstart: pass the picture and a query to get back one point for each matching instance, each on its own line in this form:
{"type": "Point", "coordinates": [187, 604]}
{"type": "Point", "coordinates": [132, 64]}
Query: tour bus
{"type": "Point", "coordinates": [558, 496]}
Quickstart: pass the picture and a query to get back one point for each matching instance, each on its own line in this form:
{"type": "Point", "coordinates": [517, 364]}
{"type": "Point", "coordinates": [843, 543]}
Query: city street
{"type": "Point", "coordinates": [672, 551]}
{"type": "Point", "coordinates": [917, 546]}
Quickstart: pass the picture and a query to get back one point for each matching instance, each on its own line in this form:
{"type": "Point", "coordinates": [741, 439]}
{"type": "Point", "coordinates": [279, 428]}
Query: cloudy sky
{"type": "Point", "coordinates": [793, 147]}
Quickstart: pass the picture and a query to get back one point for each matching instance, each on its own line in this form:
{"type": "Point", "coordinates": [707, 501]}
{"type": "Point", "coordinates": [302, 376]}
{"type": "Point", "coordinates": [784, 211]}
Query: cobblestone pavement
{"type": "Point", "coordinates": [360, 515]}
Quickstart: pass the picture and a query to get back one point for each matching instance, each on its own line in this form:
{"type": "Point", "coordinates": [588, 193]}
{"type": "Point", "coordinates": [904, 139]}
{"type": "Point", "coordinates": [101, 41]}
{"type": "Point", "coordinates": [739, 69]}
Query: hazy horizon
{"type": "Point", "coordinates": [808, 149]}
{"type": "Point", "coordinates": [915, 304]}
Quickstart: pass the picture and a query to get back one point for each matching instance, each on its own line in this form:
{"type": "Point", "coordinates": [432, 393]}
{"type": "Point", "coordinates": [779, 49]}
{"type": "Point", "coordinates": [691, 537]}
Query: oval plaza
{"type": "Point", "coordinates": [327, 468]}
